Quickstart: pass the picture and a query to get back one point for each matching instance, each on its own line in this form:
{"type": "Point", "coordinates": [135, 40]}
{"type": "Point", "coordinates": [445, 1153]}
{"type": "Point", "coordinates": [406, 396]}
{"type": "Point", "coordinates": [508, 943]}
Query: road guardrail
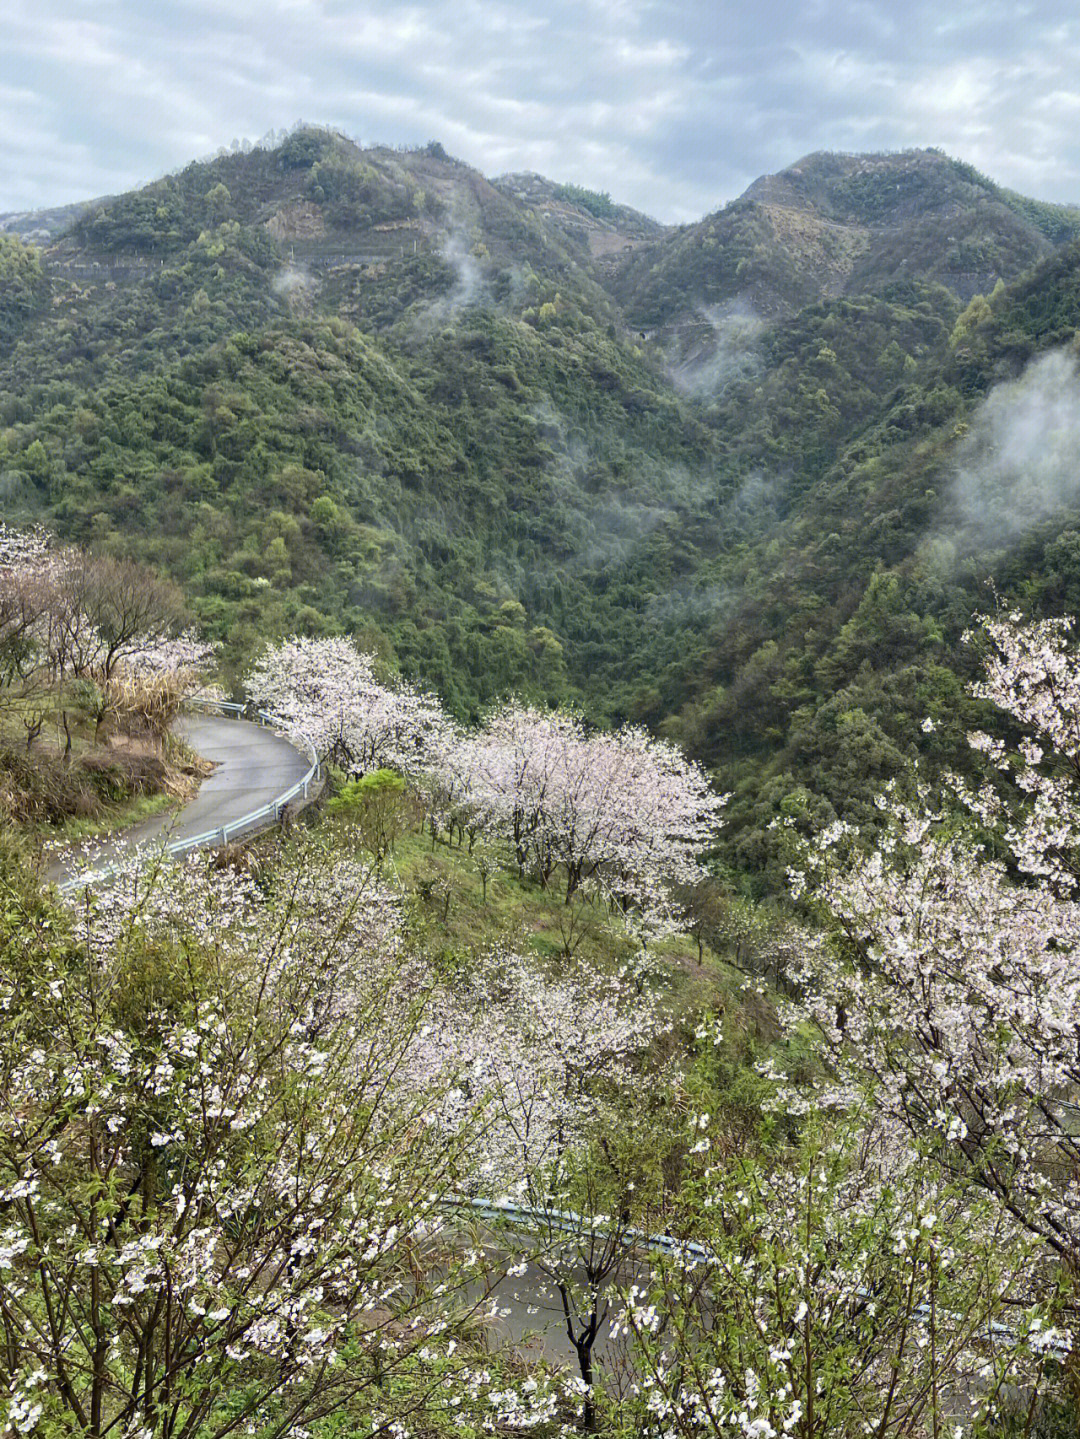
{"type": "Point", "coordinates": [256, 819]}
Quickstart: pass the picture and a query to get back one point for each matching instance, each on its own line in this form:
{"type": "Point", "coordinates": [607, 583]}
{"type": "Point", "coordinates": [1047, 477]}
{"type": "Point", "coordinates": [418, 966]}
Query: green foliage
{"type": "Point", "coordinates": [303, 148]}
{"type": "Point", "coordinates": [596, 202]}
{"type": "Point", "coordinates": [842, 223]}
{"type": "Point", "coordinates": [807, 1317]}
{"type": "Point", "coordinates": [23, 288]}
{"type": "Point", "coordinates": [449, 446]}
{"type": "Point", "coordinates": [380, 806]}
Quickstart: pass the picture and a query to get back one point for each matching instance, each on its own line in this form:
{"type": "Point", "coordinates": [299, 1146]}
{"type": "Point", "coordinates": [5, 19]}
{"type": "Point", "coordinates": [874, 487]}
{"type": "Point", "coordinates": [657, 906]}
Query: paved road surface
{"type": "Point", "coordinates": [254, 766]}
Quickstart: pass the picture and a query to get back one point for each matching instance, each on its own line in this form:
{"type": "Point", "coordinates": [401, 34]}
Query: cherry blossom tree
{"type": "Point", "coordinates": [21, 550]}
{"type": "Point", "coordinates": [627, 811]}
{"type": "Point", "coordinates": [186, 653]}
{"type": "Point", "coordinates": [64, 612]}
{"type": "Point", "coordinates": [25, 559]}
{"type": "Point", "coordinates": [826, 1298]}
{"type": "Point", "coordinates": [955, 980]}
{"type": "Point", "coordinates": [533, 1055]}
{"type": "Point", "coordinates": [327, 689]}
{"type": "Point", "coordinates": [104, 610]}
{"type": "Point", "coordinates": [548, 1066]}
{"type": "Point", "coordinates": [218, 1211]}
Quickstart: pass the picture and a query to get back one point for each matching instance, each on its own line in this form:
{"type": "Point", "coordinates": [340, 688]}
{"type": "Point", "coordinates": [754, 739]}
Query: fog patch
{"type": "Point", "coordinates": [522, 287]}
{"type": "Point", "coordinates": [754, 504]}
{"type": "Point", "coordinates": [686, 604]}
{"type": "Point", "coordinates": [717, 350]}
{"type": "Point", "coordinates": [617, 528]}
{"type": "Point", "coordinates": [1019, 464]}
{"type": "Point", "coordinates": [469, 286]}
{"type": "Point", "coordinates": [752, 508]}
{"type": "Point", "coordinates": [295, 286]}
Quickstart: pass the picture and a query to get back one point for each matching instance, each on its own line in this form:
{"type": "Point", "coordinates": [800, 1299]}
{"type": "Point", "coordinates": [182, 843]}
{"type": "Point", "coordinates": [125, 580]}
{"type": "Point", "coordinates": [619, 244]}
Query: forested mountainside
{"type": "Point", "coordinates": [742, 480]}
{"type": "Point", "coordinates": [845, 224]}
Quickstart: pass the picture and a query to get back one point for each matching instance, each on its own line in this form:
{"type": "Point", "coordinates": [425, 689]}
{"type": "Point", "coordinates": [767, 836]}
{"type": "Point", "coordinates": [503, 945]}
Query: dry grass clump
{"type": "Point", "coordinates": [43, 786]}
{"type": "Point", "coordinates": [40, 787]}
{"type": "Point", "coordinates": [144, 704]}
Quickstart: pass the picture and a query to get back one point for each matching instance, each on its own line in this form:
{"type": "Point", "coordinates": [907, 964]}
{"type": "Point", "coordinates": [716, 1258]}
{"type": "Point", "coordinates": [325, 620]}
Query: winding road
{"type": "Point", "coordinates": [253, 766]}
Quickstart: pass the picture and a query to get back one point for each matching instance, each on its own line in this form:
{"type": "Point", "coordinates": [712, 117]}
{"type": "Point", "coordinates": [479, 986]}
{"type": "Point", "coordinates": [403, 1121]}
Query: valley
{"type": "Point", "coordinates": [677, 617]}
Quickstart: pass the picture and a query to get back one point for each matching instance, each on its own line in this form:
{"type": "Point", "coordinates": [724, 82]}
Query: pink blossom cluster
{"type": "Point", "coordinates": [24, 551]}
{"type": "Point", "coordinates": [320, 900]}
{"type": "Point", "coordinates": [824, 1297]}
{"type": "Point", "coordinates": [327, 689]}
{"type": "Point", "coordinates": [621, 809]}
{"type": "Point", "coordinates": [513, 1060]}
{"type": "Point", "coordinates": [186, 653]}
{"type": "Point", "coordinates": [957, 987]}
{"type": "Point", "coordinates": [63, 612]}
{"type": "Point", "coordinates": [274, 1089]}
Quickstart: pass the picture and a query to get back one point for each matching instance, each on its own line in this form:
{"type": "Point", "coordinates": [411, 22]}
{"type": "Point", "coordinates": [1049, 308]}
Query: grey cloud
{"type": "Point", "coordinates": [671, 105]}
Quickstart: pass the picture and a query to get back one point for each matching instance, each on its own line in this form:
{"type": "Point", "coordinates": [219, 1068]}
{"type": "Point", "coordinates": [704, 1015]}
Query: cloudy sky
{"type": "Point", "coordinates": [672, 105]}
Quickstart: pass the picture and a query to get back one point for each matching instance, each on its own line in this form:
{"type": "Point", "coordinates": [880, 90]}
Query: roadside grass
{"type": "Point", "coordinates": [451, 920]}
{"type": "Point", "coordinates": [113, 819]}
{"type": "Point", "coordinates": [456, 919]}
{"type": "Point", "coordinates": [72, 786]}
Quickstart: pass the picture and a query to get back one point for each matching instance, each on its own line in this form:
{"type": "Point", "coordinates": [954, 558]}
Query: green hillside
{"type": "Point", "coordinates": [370, 391]}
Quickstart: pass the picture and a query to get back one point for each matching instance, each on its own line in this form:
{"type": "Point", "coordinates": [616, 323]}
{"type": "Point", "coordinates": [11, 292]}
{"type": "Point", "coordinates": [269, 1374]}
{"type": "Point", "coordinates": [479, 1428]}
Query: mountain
{"type": "Point", "coordinates": [517, 436]}
{"type": "Point", "coordinates": [327, 386]}
{"type": "Point", "coordinates": [41, 226]}
{"type": "Point", "coordinates": [598, 228]}
{"type": "Point", "coordinates": [844, 224]}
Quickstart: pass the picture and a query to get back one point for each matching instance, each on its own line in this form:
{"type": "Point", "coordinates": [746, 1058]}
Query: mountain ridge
{"type": "Point", "coordinates": [370, 390]}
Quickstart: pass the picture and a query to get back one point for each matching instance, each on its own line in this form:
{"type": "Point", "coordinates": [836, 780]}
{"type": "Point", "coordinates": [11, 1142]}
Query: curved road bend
{"type": "Point", "coordinates": [253, 766]}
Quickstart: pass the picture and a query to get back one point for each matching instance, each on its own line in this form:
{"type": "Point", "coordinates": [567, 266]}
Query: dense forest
{"type": "Point", "coordinates": [655, 1010]}
{"type": "Point", "coordinates": [517, 438]}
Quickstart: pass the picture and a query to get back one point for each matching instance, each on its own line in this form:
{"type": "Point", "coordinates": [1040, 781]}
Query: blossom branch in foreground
{"type": "Point", "coordinates": [216, 1207]}
{"type": "Point", "coordinates": [956, 986]}
{"type": "Point", "coordinates": [836, 1301]}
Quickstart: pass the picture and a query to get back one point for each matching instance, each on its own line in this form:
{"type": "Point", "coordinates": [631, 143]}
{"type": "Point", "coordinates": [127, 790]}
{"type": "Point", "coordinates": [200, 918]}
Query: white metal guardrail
{"type": "Point", "coordinates": [255, 819]}
{"type": "Point", "coordinates": [564, 1221]}
{"type": "Point", "coordinates": [272, 810]}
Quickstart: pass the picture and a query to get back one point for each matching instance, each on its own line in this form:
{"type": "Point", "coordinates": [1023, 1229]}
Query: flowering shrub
{"type": "Point", "coordinates": [956, 985]}
{"type": "Point", "coordinates": [216, 1209]}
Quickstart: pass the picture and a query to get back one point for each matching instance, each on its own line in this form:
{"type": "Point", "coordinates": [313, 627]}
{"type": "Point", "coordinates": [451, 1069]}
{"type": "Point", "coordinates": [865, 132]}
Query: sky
{"type": "Point", "coordinates": [672, 106]}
